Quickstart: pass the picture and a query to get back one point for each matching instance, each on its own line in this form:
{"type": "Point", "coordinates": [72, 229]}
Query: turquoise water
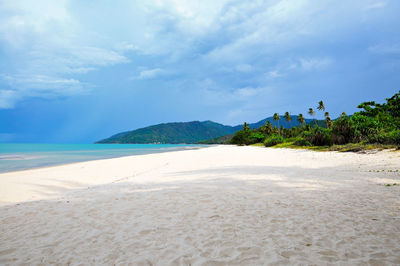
{"type": "Point", "coordinates": [15, 157]}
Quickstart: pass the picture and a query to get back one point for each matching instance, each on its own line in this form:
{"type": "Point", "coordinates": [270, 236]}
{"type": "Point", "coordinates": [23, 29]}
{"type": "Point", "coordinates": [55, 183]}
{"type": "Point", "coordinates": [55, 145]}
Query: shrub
{"type": "Point", "coordinates": [343, 131]}
{"type": "Point", "coordinates": [394, 137]}
{"type": "Point", "coordinates": [365, 126]}
{"type": "Point", "coordinates": [246, 137]}
{"type": "Point", "coordinates": [299, 141]}
{"type": "Point", "coordinates": [273, 140]}
{"type": "Point", "coordinates": [318, 136]}
{"type": "Point", "coordinates": [240, 137]}
{"type": "Point", "coordinates": [255, 137]}
{"type": "Point", "coordinates": [380, 138]}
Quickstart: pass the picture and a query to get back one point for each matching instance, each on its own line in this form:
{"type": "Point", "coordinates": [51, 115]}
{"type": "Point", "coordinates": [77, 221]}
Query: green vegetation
{"type": "Point", "coordinates": [273, 140]}
{"type": "Point", "coordinates": [376, 126]}
{"type": "Point", "coordinates": [257, 145]}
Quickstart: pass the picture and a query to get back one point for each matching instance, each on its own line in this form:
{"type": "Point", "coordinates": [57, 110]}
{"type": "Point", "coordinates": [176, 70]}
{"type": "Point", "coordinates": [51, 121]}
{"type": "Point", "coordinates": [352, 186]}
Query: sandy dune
{"type": "Point", "coordinates": [222, 205]}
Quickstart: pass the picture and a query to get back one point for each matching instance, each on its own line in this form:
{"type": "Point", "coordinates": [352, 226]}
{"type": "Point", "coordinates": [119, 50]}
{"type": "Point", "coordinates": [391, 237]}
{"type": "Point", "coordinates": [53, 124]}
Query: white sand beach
{"type": "Point", "coordinates": [222, 205]}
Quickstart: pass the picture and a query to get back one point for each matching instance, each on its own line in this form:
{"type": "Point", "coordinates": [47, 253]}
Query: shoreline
{"type": "Point", "coordinates": [77, 167]}
{"type": "Point", "coordinates": [24, 156]}
{"type": "Point", "coordinates": [222, 205]}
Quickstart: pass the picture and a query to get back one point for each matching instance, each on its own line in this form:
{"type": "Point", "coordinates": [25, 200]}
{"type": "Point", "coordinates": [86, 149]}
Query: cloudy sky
{"type": "Point", "coordinates": [80, 70]}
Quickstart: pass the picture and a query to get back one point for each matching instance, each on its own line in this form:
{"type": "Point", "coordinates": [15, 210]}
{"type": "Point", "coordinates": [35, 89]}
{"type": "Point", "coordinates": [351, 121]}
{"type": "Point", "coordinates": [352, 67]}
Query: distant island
{"type": "Point", "coordinates": [195, 132]}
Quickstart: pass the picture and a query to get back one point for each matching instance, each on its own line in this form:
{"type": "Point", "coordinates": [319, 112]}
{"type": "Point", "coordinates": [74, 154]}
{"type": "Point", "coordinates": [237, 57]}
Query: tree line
{"type": "Point", "coordinates": [374, 124]}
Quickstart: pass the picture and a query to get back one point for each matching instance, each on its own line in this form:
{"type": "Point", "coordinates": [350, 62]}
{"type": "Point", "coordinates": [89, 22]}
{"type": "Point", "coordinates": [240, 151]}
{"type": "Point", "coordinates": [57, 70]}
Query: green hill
{"type": "Point", "coordinates": [173, 133]}
{"type": "Point", "coordinates": [187, 132]}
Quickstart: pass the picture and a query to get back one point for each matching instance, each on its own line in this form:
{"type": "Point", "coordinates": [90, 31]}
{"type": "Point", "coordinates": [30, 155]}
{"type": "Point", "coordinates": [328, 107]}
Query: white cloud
{"type": "Point", "coordinates": [94, 56]}
{"type": "Point", "coordinates": [58, 42]}
{"type": "Point", "coordinates": [376, 5]}
{"type": "Point", "coordinates": [274, 74]}
{"type": "Point", "coordinates": [47, 45]}
{"type": "Point", "coordinates": [22, 87]}
{"type": "Point", "coordinates": [69, 59]}
{"type": "Point", "coordinates": [195, 18]}
{"type": "Point", "coordinates": [245, 92]}
{"type": "Point", "coordinates": [151, 73]}
{"type": "Point", "coordinates": [45, 86]}
{"type": "Point", "coordinates": [213, 94]}
{"type": "Point", "coordinates": [290, 66]}
{"type": "Point", "coordinates": [124, 46]}
{"type": "Point", "coordinates": [263, 27]}
{"type": "Point", "coordinates": [22, 20]}
{"type": "Point", "coordinates": [81, 70]}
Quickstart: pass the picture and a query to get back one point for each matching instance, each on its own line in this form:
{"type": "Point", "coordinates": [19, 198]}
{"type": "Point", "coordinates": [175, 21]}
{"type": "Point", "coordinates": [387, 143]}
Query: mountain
{"type": "Point", "coordinates": [188, 132]}
{"type": "Point", "coordinates": [173, 133]}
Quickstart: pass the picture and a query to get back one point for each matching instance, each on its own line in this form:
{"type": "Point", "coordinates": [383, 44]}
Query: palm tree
{"type": "Point", "coordinates": [312, 113]}
{"type": "Point", "coordinates": [344, 114]}
{"type": "Point", "coordinates": [326, 114]}
{"type": "Point", "coordinates": [288, 118]}
{"type": "Point", "coordinates": [301, 119]}
{"type": "Point", "coordinates": [246, 127]}
{"type": "Point", "coordinates": [328, 122]}
{"type": "Point", "coordinates": [276, 117]}
{"type": "Point", "coordinates": [268, 128]}
{"type": "Point", "coordinates": [321, 106]}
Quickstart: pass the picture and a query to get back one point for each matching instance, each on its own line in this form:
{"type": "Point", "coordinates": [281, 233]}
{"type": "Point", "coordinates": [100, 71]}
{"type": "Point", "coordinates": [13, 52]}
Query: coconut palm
{"type": "Point", "coordinates": [312, 113]}
{"type": "Point", "coordinates": [328, 122]}
{"type": "Point", "coordinates": [301, 119]}
{"type": "Point", "coordinates": [326, 114]}
{"type": "Point", "coordinates": [321, 106]}
{"type": "Point", "coordinates": [344, 114]}
{"type": "Point", "coordinates": [288, 118]}
{"type": "Point", "coordinates": [268, 128]}
{"type": "Point", "coordinates": [276, 117]}
{"type": "Point", "coordinates": [246, 127]}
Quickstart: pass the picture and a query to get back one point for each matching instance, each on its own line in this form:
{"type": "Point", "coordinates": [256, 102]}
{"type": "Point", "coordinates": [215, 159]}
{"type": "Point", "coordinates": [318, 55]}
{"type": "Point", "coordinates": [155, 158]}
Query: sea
{"type": "Point", "coordinates": [18, 156]}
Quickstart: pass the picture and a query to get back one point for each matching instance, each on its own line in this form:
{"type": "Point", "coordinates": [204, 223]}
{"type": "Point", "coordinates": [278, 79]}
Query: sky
{"type": "Point", "coordinates": [76, 71]}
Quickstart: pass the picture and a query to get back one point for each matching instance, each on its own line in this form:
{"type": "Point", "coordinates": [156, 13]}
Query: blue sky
{"type": "Point", "coordinates": [80, 70]}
